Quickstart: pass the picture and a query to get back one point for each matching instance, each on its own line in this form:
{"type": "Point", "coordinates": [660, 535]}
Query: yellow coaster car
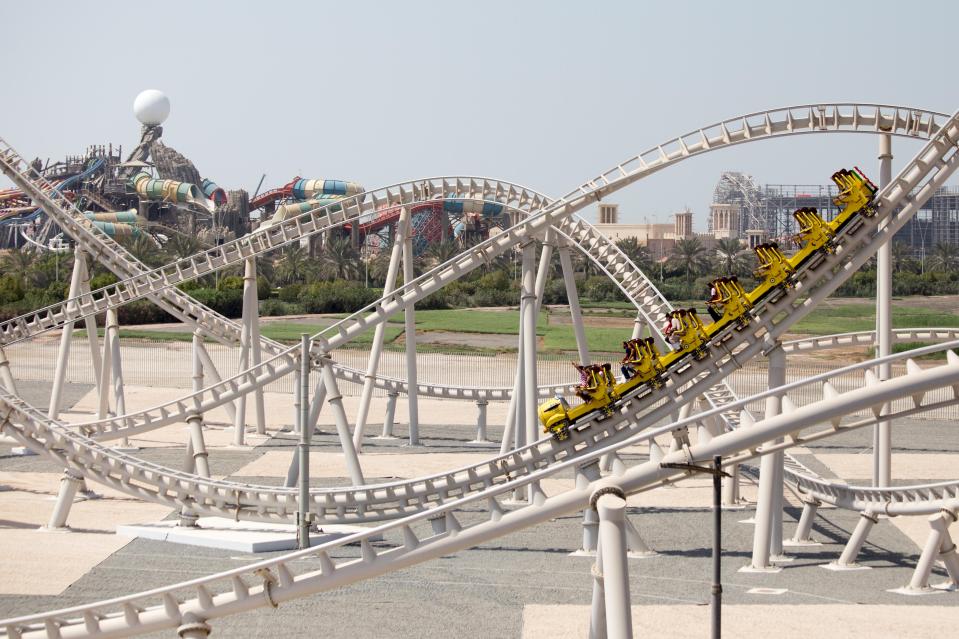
{"type": "Point", "coordinates": [598, 392]}
{"type": "Point", "coordinates": [731, 302]}
{"type": "Point", "coordinates": [774, 268]}
{"type": "Point", "coordinates": [690, 334]}
{"type": "Point", "coordinates": [642, 362]}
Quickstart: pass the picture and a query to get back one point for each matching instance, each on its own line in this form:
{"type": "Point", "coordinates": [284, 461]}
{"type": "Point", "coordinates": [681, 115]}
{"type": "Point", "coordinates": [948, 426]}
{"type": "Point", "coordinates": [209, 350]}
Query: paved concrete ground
{"type": "Point", "coordinates": [489, 591]}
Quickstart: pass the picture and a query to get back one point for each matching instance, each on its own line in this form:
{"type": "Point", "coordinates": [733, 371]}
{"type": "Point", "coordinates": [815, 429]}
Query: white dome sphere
{"type": "Point", "coordinates": [151, 107]}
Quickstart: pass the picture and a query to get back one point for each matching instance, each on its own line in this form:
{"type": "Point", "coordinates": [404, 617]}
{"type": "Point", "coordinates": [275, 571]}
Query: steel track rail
{"type": "Point", "coordinates": [413, 540]}
{"type": "Point", "coordinates": [936, 161]}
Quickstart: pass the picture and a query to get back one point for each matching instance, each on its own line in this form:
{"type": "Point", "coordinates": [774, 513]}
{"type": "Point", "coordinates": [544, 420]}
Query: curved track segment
{"type": "Point", "coordinates": [413, 540]}
{"type": "Point", "coordinates": [931, 167]}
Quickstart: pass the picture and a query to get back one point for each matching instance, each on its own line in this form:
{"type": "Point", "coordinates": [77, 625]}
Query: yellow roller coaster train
{"type": "Point", "coordinates": [598, 391]}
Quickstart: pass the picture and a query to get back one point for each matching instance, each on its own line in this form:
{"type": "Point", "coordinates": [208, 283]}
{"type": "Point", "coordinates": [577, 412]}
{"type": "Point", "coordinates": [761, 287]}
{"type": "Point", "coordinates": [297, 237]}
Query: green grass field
{"type": "Point", "coordinates": [827, 319]}
{"type": "Point", "coordinates": [848, 318]}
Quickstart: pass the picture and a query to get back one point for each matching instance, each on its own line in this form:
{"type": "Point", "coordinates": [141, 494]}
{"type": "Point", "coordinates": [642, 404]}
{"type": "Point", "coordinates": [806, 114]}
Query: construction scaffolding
{"type": "Point", "coordinates": [769, 208]}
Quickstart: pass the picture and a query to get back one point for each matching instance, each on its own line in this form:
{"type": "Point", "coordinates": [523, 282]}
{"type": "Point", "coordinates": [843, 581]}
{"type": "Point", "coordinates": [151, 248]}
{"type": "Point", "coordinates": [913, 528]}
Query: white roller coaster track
{"type": "Point", "coordinates": [234, 387]}
{"type": "Point", "coordinates": [413, 539]}
{"type": "Point", "coordinates": [926, 173]}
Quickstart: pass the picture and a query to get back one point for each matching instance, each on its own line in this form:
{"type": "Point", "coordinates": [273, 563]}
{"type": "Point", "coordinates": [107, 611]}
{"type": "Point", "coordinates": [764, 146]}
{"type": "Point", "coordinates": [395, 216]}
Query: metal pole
{"type": "Point", "coordinates": [409, 275]}
{"type": "Point", "coordinates": [376, 349]}
{"type": "Point", "coordinates": [303, 503]}
{"type": "Point", "coordinates": [611, 507]}
{"type": "Point", "coordinates": [717, 589]}
{"type": "Point", "coordinates": [528, 307]}
{"type": "Point", "coordinates": [883, 438]}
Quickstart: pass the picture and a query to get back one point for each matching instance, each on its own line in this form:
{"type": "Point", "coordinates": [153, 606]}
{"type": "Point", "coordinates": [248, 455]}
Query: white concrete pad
{"type": "Point", "coordinates": [782, 621]}
{"type": "Point", "coordinates": [401, 465]}
{"type": "Point", "coordinates": [227, 534]}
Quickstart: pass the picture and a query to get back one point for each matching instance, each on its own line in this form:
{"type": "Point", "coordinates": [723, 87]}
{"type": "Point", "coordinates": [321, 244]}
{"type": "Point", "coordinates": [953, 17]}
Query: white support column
{"type": "Point", "coordinates": [111, 336]}
{"type": "Point", "coordinates": [528, 310]}
{"type": "Point", "coordinates": [376, 348]}
{"type": "Point", "coordinates": [803, 534]}
{"type": "Point", "coordinates": [948, 556]}
{"type": "Point", "coordinates": [246, 342]}
{"type": "Point", "coordinates": [611, 507]}
{"type": "Point", "coordinates": [390, 415]}
{"type": "Point", "coordinates": [513, 431]}
{"type": "Point", "coordinates": [66, 333]}
{"type": "Point", "coordinates": [515, 415]}
{"type": "Point", "coordinates": [576, 314]}
{"type": "Point", "coordinates": [409, 274]}
{"type": "Point", "coordinates": [90, 322]}
{"type": "Point", "coordinates": [919, 584]}
{"type": "Point", "coordinates": [481, 438]}
{"type": "Point", "coordinates": [251, 309]}
{"type": "Point", "coordinates": [195, 419]}
{"type": "Point", "coordinates": [766, 511]}
{"type": "Point", "coordinates": [210, 370]}
{"type": "Point", "coordinates": [70, 483]}
{"type": "Point", "coordinates": [6, 377]}
{"type": "Point", "coordinates": [847, 560]}
{"type": "Point", "coordinates": [335, 400]}
{"type": "Point", "coordinates": [882, 464]}
{"type": "Point", "coordinates": [597, 615]}
{"type": "Point", "coordinates": [106, 371]}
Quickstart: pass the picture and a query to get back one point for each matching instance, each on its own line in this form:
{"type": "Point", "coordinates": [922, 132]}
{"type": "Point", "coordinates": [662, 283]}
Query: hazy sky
{"type": "Point", "coordinates": [545, 94]}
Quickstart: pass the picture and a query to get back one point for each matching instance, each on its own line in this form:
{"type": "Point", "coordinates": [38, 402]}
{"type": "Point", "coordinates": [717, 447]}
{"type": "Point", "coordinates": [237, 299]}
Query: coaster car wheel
{"type": "Point", "coordinates": [560, 431]}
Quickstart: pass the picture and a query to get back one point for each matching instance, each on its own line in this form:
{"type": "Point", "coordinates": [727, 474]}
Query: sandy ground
{"type": "Point", "coordinates": [781, 621]}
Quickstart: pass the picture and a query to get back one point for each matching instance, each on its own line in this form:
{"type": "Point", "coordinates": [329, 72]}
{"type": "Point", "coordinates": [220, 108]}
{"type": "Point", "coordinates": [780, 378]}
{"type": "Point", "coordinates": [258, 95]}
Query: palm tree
{"type": "Point", "coordinates": [637, 253]}
{"type": "Point", "coordinates": [732, 256]}
{"type": "Point", "coordinates": [690, 256]}
{"type": "Point", "coordinates": [945, 257]}
{"type": "Point", "coordinates": [144, 248]}
{"type": "Point", "coordinates": [181, 245]}
{"type": "Point", "coordinates": [901, 256]}
{"type": "Point", "coordinates": [340, 258]}
{"type": "Point", "coordinates": [17, 263]}
{"type": "Point", "coordinates": [441, 252]}
{"type": "Point", "coordinates": [293, 264]}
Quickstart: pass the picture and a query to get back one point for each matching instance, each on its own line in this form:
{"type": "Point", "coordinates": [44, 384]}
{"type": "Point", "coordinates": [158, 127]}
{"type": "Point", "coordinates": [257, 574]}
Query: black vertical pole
{"type": "Point", "coordinates": [717, 589]}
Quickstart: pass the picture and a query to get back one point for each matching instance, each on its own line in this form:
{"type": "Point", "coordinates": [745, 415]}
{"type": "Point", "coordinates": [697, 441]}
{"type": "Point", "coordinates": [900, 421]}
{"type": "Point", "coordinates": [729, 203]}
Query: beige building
{"type": "Point", "coordinates": [647, 234]}
{"type": "Point", "coordinates": [725, 220]}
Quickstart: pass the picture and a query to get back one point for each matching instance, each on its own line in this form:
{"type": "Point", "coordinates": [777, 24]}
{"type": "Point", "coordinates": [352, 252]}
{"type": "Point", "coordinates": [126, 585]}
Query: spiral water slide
{"type": "Point", "coordinates": [928, 172]}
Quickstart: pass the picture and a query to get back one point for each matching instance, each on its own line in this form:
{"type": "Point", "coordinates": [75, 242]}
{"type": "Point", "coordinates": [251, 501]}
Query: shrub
{"type": "Point", "coordinates": [338, 296]}
{"type": "Point", "coordinates": [230, 283]}
{"type": "Point", "coordinates": [290, 292]}
{"type": "Point", "coordinates": [10, 290]}
{"type": "Point", "coordinates": [103, 279]}
{"type": "Point", "coordinates": [272, 308]}
{"type": "Point", "coordinates": [141, 312]}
